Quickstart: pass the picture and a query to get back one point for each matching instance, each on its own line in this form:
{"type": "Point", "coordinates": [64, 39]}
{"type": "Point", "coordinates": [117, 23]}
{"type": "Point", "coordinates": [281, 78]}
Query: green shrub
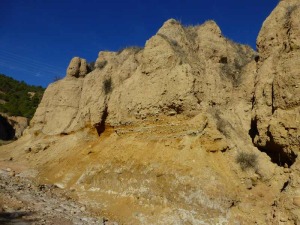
{"type": "Point", "coordinates": [290, 9]}
{"type": "Point", "coordinates": [101, 65]}
{"type": "Point", "coordinates": [135, 49]}
{"type": "Point", "coordinates": [107, 86]}
{"type": "Point", "coordinates": [247, 160]}
{"type": "Point", "coordinates": [91, 66]}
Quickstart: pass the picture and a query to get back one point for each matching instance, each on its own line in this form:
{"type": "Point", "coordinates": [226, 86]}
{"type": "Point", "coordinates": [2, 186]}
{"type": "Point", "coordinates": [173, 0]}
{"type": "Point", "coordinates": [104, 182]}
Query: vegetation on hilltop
{"type": "Point", "coordinates": [18, 98]}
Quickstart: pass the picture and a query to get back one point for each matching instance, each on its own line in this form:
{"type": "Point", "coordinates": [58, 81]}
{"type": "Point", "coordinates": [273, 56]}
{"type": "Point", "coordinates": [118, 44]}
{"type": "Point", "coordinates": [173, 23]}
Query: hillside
{"type": "Point", "coordinates": [18, 98]}
{"type": "Point", "coordinates": [191, 129]}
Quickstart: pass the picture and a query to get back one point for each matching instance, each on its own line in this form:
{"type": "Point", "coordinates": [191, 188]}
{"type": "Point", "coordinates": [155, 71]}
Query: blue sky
{"type": "Point", "coordinates": [38, 38]}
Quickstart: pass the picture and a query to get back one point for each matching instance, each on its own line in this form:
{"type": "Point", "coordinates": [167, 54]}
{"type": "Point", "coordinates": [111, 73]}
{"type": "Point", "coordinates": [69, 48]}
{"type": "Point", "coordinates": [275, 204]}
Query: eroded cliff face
{"type": "Point", "coordinates": [185, 130]}
{"type": "Point", "coordinates": [276, 106]}
{"type": "Point", "coordinates": [276, 115]}
{"type": "Point", "coordinates": [181, 70]}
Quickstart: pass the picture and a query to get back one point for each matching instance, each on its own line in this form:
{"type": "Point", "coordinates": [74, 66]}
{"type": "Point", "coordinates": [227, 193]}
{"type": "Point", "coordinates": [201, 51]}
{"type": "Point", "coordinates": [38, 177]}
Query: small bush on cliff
{"type": "Point", "coordinates": [135, 49]}
{"type": "Point", "coordinates": [247, 160]}
{"type": "Point", "coordinates": [107, 86]}
{"type": "Point", "coordinates": [289, 10]}
{"type": "Point", "coordinates": [91, 66]}
{"type": "Point", "coordinates": [101, 65]}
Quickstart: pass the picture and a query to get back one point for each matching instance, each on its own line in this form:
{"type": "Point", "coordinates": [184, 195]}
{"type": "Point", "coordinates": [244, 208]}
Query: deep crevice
{"type": "Point", "coordinates": [100, 127]}
{"type": "Point", "coordinates": [273, 97]}
{"type": "Point", "coordinates": [253, 129]}
{"type": "Point", "coordinates": [252, 101]}
{"type": "Point", "coordinates": [284, 186]}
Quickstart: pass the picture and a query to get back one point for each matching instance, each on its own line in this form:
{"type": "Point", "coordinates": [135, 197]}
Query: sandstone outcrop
{"type": "Point", "coordinates": [276, 105]}
{"type": "Point", "coordinates": [180, 70]}
{"type": "Point", "coordinates": [77, 68]}
{"type": "Point", "coordinates": [188, 93]}
{"type": "Point", "coordinates": [276, 118]}
{"type": "Point", "coordinates": [191, 129]}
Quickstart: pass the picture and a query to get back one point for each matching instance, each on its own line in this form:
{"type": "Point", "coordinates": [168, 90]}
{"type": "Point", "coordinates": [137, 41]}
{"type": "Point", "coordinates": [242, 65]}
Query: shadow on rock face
{"type": "Point", "coordinates": [276, 152]}
{"type": "Point", "coordinates": [7, 132]}
{"type": "Point", "coordinates": [16, 218]}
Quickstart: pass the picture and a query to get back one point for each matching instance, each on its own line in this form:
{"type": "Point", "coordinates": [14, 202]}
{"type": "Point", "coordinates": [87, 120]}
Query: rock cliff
{"type": "Point", "coordinates": [275, 117]}
{"type": "Point", "coordinates": [193, 128]}
{"type": "Point", "coordinates": [181, 70]}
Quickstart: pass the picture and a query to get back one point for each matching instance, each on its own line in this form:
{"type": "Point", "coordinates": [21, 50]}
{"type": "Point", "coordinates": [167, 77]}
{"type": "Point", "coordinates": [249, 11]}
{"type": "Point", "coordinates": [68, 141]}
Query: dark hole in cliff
{"type": "Point", "coordinates": [223, 60]}
{"type": "Point", "coordinates": [276, 152]}
{"type": "Point", "coordinates": [176, 108]}
{"type": "Point", "coordinates": [7, 132]}
{"type": "Point", "coordinates": [253, 129]}
{"type": "Point", "coordinates": [100, 127]}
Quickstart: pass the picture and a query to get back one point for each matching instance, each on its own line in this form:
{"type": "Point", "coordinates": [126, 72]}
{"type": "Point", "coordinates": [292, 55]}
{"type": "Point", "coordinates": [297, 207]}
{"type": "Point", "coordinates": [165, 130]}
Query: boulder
{"type": "Point", "coordinates": [77, 68]}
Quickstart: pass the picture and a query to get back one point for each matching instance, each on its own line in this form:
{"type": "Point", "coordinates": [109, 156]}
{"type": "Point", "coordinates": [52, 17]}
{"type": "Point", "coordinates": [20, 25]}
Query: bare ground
{"type": "Point", "coordinates": [23, 201]}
